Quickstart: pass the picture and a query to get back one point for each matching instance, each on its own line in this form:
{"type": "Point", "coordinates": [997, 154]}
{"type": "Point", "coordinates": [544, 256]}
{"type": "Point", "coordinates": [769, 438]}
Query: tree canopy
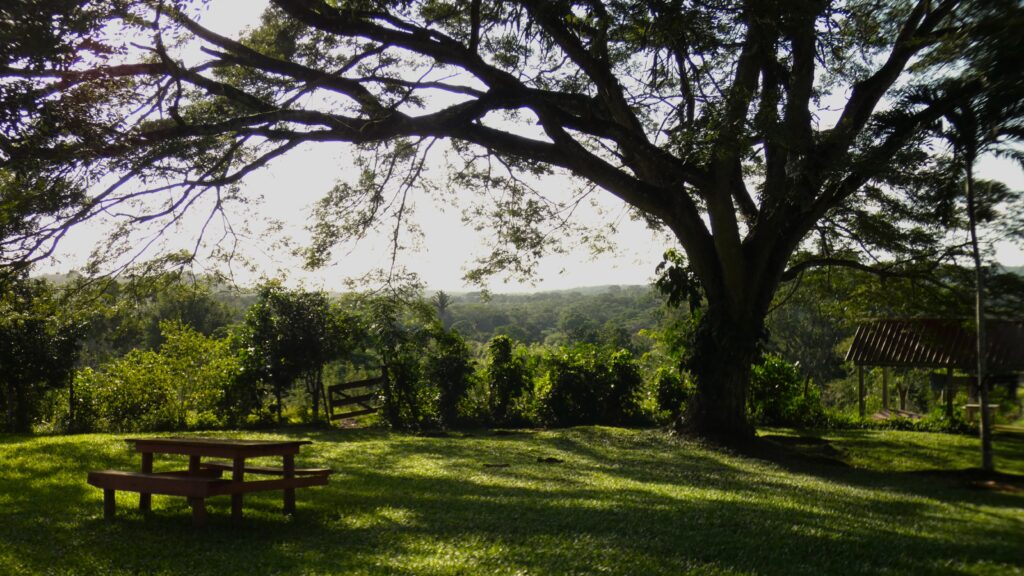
{"type": "Point", "coordinates": [766, 137]}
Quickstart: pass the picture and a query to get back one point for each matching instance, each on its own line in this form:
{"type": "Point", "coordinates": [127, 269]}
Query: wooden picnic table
{"type": "Point", "coordinates": [202, 479]}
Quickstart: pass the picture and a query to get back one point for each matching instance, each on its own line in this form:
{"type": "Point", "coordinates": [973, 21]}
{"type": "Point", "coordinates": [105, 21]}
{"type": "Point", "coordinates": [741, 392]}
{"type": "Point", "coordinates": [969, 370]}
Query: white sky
{"type": "Point", "coordinates": [293, 183]}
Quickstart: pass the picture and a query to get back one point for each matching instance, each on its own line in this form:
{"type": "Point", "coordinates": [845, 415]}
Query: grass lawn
{"type": "Point", "coordinates": [615, 502]}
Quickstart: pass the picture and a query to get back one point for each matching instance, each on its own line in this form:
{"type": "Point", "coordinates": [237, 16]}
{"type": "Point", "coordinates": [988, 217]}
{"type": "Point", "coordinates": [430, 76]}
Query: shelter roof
{"type": "Point", "coordinates": [937, 343]}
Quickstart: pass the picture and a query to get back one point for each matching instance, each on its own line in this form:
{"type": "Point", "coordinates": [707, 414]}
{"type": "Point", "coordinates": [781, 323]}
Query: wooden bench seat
{"type": "Point", "coordinates": [196, 488]}
{"type": "Point", "coordinates": [197, 485]}
{"type": "Point", "coordinates": [220, 465]}
{"type": "Point", "coordinates": [171, 484]}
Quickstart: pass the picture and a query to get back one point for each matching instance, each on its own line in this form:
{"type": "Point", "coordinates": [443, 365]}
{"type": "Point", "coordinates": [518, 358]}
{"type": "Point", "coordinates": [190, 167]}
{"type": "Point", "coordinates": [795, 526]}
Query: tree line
{"type": "Point", "coordinates": [171, 353]}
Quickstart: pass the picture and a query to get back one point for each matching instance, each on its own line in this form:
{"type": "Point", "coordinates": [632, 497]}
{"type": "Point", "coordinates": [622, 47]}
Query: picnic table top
{"type": "Point", "coordinates": [227, 447]}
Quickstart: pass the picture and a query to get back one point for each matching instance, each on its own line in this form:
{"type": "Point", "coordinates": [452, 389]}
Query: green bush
{"type": "Point", "coordinates": [624, 382]}
{"type": "Point", "coordinates": [588, 385]}
{"type": "Point", "coordinates": [575, 386]}
{"type": "Point", "coordinates": [38, 350]}
{"type": "Point", "coordinates": [404, 402]}
{"type": "Point", "coordinates": [671, 392]}
{"type": "Point", "coordinates": [449, 370]}
{"type": "Point", "coordinates": [181, 386]}
{"type": "Point", "coordinates": [133, 393]}
{"type": "Point", "coordinates": [508, 381]}
{"type": "Point", "coordinates": [935, 421]}
{"type": "Point", "coordinates": [777, 395]}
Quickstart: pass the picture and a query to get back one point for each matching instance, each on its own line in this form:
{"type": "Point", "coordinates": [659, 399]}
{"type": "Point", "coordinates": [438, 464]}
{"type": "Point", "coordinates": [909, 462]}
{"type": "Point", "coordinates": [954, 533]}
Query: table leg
{"type": "Point", "coordinates": [198, 511]}
{"type": "Point", "coordinates": [237, 475]}
{"type": "Point", "coordinates": [289, 493]}
{"type": "Point", "coordinates": [193, 465]}
{"type": "Point", "coordinates": [146, 500]}
{"type": "Point", "coordinates": [108, 504]}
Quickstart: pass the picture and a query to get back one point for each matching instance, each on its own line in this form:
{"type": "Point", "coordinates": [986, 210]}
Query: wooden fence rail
{"type": "Point", "coordinates": [356, 398]}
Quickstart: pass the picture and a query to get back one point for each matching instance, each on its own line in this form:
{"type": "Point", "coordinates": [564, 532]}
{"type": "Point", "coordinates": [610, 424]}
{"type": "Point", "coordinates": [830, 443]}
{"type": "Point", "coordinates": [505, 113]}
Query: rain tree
{"type": "Point", "coordinates": [766, 137]}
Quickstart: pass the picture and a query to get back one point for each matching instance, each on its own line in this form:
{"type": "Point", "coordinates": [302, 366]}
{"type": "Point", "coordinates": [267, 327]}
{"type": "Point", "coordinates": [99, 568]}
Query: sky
{"type": "Point", "coordinates": [290, 186]}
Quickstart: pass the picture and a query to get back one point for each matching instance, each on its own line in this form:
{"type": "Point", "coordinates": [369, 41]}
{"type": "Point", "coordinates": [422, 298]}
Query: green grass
{"type": "Point", "coordinates": [618, 502]}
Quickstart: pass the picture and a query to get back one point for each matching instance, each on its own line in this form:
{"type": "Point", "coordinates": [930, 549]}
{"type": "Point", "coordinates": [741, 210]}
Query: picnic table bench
{"type": "Point", "coordinates": [204, 479]}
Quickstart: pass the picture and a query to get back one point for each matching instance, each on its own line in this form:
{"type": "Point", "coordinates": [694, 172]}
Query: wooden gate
{"type": "Point", "coordinates": [351, 399]}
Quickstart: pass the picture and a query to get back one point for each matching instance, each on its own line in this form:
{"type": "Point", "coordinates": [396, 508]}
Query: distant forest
{"type": "Point", "coordinates": [604, 314]}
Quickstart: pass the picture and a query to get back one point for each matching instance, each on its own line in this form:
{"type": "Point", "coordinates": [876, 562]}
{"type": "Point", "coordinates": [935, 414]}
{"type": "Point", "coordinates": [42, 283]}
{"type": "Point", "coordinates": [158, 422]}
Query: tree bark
{"type": "Point", "coordinates": [721, 354]}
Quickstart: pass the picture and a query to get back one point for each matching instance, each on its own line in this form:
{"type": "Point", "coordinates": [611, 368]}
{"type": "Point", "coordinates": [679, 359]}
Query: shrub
{"type": "Point", "coordinates": [576, 385]}
{"type": "Point", "coordinates": [130, 394]}
{"type": "Point", "coordinates": [180, 386]}
{"type": "Point", "coordinates": [671, 392]}
{"type": "Point", "coordinates": [778, 397]}
{"type": "Point", "coordinates": [508, 380]}
{"type": "Point", "coordinates": [621, 399]}
{"type": "Point", "coordinates": [936, 421]}
{"type": "Point", "coordinates": [587, 385]}
{"type": "Point", "coordinates": [449, 369]}
{"type": "Point", "coordinates": [403, 405]}
{"type": "Point", "coordinates": [38, 350]}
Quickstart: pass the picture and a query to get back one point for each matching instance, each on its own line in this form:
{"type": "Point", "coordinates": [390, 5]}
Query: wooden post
{"type": "Point", "coordinates": [108, 504]}
{"type": "Point", "coordinates": [289, 493]}
{"type": "Point", "coordinates": [860, 391]}
{"type": "Point", "coordinates": [193, 465]}
{"type": "Point", "coordinates": [146, 500]}
{"type": "Point", "coordinates": [237, 475]}
{"type": "Point", "coordinates": [885, 387]}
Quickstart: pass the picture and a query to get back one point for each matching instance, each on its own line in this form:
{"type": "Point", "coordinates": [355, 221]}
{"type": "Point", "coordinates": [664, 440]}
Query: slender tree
{"type": "Point", "coordinates": [987, 121]}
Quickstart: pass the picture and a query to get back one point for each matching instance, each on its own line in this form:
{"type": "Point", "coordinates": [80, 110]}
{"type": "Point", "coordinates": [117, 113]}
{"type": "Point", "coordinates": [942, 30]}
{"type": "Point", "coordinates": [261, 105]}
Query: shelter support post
{"type": "Point", "coordinates": [885, 388]}
{"type": "Point", "coordinates": [860, 391]}
{"type": "Point", "coordinates": [950, 393]}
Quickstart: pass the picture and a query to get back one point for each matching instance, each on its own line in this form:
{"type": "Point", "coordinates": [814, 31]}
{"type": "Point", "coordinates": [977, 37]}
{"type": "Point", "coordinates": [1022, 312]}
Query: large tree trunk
{"type": "Point", "coordinates": [722, 352]}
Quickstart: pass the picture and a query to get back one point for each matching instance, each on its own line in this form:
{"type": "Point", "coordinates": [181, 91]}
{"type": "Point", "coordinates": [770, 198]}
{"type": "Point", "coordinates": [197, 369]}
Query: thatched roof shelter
{"type": "Point", "coordinates": [936, 343]}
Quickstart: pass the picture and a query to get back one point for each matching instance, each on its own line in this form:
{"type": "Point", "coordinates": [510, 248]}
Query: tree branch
{"type": "Point", "coordinates": [913, 37]}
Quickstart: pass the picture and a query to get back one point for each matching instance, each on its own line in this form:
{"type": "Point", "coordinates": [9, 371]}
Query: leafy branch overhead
{"type": "Point", "coordinates": [678, 109]}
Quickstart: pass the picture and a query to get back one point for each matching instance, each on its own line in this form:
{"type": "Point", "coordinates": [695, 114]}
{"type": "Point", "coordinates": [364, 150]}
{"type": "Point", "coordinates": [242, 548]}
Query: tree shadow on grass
{"type": "Point", "coordinates": [810, 453]}
{"type": "Point", "coordinates": [620, 502]}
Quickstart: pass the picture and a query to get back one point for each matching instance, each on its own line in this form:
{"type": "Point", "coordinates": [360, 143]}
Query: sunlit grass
{"type": "Point", "coordinates": [579, 501]}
